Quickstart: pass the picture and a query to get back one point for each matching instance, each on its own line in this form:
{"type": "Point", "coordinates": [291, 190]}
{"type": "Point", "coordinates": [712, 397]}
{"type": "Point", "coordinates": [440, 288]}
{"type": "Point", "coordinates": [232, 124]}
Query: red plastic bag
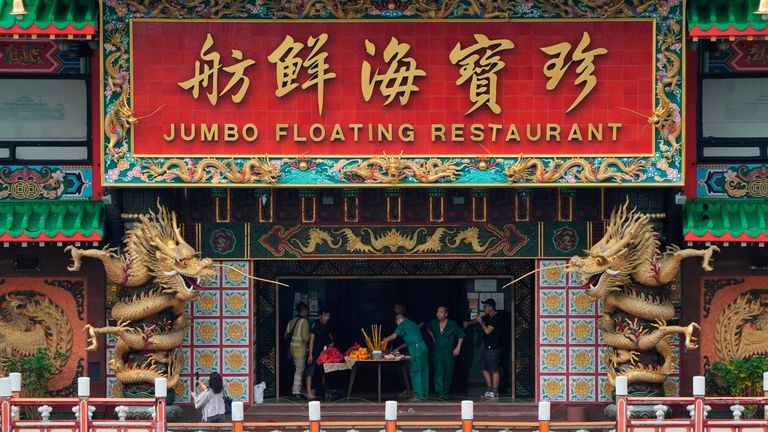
{"type": "Point", "coordinates": [330, 355]}
{"type": "Point", "coordinates": [352, 348]}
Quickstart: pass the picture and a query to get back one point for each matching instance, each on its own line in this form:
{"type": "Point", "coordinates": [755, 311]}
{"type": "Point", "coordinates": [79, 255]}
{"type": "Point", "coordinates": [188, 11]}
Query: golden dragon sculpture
{"type": "Point", "coordinates": [159, 274]}
{"type": "Point", "coordinates": [255, 170]}
{"type": "Point", "coordinates": [666, 116]}
{"type": "Point", "coordinates": [29, 322]}
{"type": "Point", "coordinates": [391, 169]}
{"type": "Point", "coordinates": [114, 63]}
{"type": "Point", "coordinates": [118, 121]}
{"type": "Point", "coordinates": [627, 271]}
{"type": "Point", "coordinates": [534, 170]}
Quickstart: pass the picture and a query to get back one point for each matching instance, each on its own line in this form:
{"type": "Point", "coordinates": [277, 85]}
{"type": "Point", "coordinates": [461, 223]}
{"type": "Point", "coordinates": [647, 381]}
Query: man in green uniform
{"type": "Point", "coordinates": [409, 331]}
{"type": "Point", "coordinates": [448, 337]}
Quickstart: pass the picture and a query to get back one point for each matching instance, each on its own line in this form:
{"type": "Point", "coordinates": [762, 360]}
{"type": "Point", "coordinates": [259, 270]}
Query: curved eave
{"type": "Point", "coordinates": [732, 31]}
{"type": "Point", "coordinates": [725, 237]}
{"type": "Point", "coordinates": [69, 32]}
{"type": "Point", "coordinates": [42, 237]}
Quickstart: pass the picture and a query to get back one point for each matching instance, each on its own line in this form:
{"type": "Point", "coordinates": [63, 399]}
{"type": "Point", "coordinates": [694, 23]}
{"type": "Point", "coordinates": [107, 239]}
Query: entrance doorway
{"type": "Point", "coordinates": [358, 303]}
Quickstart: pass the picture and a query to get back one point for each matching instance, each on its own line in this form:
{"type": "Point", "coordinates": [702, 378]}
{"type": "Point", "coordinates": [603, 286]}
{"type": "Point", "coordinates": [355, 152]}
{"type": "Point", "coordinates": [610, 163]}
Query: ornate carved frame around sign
{"type": "Point", "coordinates": [120, 167]}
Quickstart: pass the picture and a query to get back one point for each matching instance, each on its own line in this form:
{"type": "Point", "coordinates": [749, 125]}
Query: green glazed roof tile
{"type": "Point", "coordinates": [45, 13]}
{"type": "Point", "coordinates": [724, 14]}
{"type": "Point", "coordinates": [60, 220]}
{"type": "Point", "coordinates": [735, 219]}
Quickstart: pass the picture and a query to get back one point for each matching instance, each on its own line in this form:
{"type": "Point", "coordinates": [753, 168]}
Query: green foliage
{"type": "Point", "coordinates": [35, 371]}
{"type": "Point", "coordinates": [737, 377]}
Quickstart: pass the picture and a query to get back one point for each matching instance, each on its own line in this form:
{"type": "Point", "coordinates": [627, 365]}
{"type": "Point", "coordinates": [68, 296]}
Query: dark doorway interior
{"type": "Point", "coordinates": [356, 304]}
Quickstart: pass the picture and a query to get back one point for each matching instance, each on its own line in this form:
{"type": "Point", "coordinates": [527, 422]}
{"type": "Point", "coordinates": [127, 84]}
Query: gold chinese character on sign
{"type": "Point", "coordinates": [209, 76]}
{"type": "Point", "coordinates": [555, 69]}
{"type": "Point", "coordinates": [480, 62]}
{"type": "Point", "coordinates": [289, 65]}
{"type": "Point", "coordinates": [399, 77]}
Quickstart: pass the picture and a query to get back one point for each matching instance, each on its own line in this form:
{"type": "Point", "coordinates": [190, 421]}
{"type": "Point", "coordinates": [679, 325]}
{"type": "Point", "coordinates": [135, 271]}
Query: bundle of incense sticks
{"type": "Point", "coordinates": [374, 342]}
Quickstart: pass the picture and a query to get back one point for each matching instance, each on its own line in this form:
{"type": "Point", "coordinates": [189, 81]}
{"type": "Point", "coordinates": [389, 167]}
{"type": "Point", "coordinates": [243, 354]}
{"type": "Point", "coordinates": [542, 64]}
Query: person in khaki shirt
{"type": "Point", "coordinates": [297, 331]}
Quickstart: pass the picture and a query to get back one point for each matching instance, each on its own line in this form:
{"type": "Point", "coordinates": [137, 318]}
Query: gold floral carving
{"type": "Point", "coordinates": [418, 241]}
{"type": "Point", "coordinates": [235, 331]}
{"type": "Point", "coordinates": [435, 9]}
{"type": "Point", "coordinates": [185, 9]}
{"type": "Point", "coordinates": [235, 360]}
{"type": "Point", "coordinates": [553, 359]}
{"type": "Point", "coordinates": [235, 302]}
{"type": "Point", "coordinates": [235, 389]}
{"type": "Point", "coordinates": [553, 388]}
{"type": "Point", "coordinates": [553, 330]}
{"type": "Point", "coordinates": [205, 360]}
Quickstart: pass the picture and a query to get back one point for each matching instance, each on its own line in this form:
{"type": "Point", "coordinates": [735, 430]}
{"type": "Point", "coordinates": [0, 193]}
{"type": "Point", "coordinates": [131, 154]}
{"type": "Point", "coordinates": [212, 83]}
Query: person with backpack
{"type": "Point", "coordinates": [296, 337]}
{"type": "Point", "coordinates": [211, 399]}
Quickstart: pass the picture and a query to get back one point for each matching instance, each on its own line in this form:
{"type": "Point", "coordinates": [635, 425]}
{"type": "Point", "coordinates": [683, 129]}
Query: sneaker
{"type": "Point", "coordinates": [487, 395]}
{"type": "Point", "coordinates": [405, 394]}
{"type": "Point", "coordinates": [492, 396]}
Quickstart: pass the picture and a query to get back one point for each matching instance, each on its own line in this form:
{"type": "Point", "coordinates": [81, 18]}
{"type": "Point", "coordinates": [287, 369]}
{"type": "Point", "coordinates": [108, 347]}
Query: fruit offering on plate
{"type": "Point", "coordinates": [360, 354]}
{"type": "Point", "coordinates": [394, 355]}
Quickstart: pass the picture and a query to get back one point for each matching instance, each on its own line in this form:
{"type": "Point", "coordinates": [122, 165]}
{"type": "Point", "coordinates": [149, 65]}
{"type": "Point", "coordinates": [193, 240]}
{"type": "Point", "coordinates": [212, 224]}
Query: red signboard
{"type": "Point", "coordinates": [421, 88]}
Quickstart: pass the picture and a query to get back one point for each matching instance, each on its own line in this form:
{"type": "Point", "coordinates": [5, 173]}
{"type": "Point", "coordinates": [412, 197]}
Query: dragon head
{"type": "Point", "coordinates": [268, 172]}
{"type": "Point", "coordinates": [175, 265]}
{"type": "Point", "coordinates": [517, 171]}
{"type": "Point", "coordinates": [611, 261]}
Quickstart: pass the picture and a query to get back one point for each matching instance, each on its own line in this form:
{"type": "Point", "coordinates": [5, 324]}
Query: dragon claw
{"type": "Point", "coordinates": [75, 258]}
{"type": "Point", "coordinates": [707, 258]}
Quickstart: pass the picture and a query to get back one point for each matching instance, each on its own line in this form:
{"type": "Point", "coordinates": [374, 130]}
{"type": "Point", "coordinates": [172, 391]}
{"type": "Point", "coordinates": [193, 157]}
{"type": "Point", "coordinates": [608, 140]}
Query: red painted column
{"type": "Point", "coordinates": [691, 120]}
{"type": "Point", "coordinates": [97, 139]}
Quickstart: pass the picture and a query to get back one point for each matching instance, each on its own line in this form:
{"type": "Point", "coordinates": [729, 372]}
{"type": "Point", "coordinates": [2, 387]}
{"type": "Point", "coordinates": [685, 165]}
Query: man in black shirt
{"type": "Point", "coordinates": [490, 324]}
{"type": "Point", "coordinates": [319, 338]}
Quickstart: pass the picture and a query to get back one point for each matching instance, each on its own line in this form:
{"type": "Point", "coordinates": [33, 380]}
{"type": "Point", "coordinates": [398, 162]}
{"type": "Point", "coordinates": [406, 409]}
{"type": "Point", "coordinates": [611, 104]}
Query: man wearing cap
{"type": "Point", "coordinates": [490, 323]}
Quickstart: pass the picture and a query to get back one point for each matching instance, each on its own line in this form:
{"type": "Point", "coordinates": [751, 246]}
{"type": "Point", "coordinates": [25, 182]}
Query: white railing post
{"type": "Point", "coordinates": [238, 416]}
{"type": "Point", "coordinates": [390, 416]}
{"type": "Point", "coordinates": [15, 392]}
{"type": "Point", "coordinates": [83, 393]}
{"type": "Point", "coordinates": [161, 392]}
{"type": "Point", "coordinates": [765, 393]}
{"type": "Point", "coordinates": [544, 416]}
{"type": "Point", "coordinates": [314, 416]}
{"type": "Point", "coordinates": [699, 386]}
{"type": "Point", "coordinates": [467, 416]}
{"type": "Point", "coordinates": [5, 403]}
{"type": "Point", "coordinates": [621, 404]}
